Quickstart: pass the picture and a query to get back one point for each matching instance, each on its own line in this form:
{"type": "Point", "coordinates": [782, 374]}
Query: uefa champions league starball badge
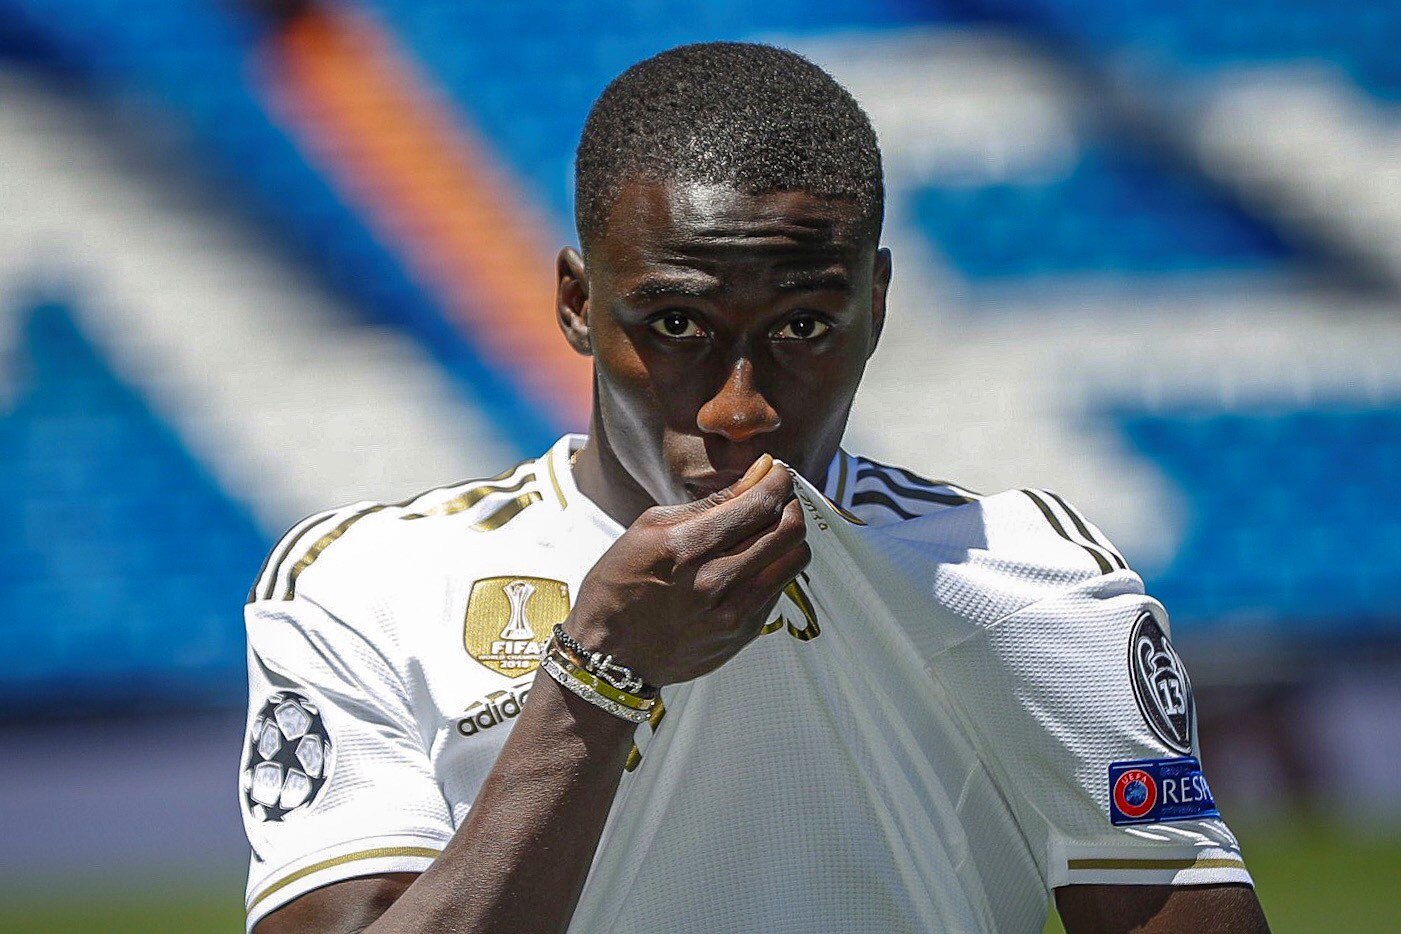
{"type": "Point", "coordinates": [288, 757]}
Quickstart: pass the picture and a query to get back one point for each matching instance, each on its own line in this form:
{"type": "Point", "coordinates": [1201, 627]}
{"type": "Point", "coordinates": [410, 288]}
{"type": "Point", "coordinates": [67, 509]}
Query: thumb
{"type": "Point", "coordinates": [757, 471]}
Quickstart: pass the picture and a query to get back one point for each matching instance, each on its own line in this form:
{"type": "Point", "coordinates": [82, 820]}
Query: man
{"type": "Point", "coordinates": [886, 704]}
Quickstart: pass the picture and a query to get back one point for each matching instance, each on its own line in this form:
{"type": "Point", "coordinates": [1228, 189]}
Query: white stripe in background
{"type": "Point", "coordinates": [271, 382]}
{"type": "Point", "coordinates": [1010, 393]}
{"type": "Point", "coordinates": [1307, 145]}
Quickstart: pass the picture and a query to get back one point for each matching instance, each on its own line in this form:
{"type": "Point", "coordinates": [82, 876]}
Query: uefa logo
{"type": "Point", "coordinates": [1135, 793]}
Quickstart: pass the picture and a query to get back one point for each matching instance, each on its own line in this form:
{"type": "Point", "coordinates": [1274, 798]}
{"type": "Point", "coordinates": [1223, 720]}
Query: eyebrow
{"type": "Point", "coordinates": [827, 280]}
{"type": "Point", "coordinates": [661, 287]}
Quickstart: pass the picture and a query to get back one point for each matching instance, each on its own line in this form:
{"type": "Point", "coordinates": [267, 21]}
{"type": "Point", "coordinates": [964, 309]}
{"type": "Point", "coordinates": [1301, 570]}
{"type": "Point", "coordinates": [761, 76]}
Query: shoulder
{"type": "Point", "coordinates": [1042, 526]}
{"type": "Point", "coordinates": [987, 555]}
{"type": "Point", "coordinates": [364, 550]}
{"type": "Point", "coordinates": [881, 494]}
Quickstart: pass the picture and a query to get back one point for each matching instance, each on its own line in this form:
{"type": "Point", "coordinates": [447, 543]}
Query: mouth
{"type": "Point", "coordinates": [702, 486]}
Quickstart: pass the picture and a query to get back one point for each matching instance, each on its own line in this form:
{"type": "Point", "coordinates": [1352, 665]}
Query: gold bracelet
{"type": "Point", "coordinates": [570, 667]}
{"type": "Point", "coordinates": [602, 666]}
{"type": "Point", "coordinates": [575, 686]}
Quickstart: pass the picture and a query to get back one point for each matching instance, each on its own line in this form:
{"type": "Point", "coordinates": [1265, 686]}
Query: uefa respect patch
{"type": "Point", "coordinates": [1154, 791]}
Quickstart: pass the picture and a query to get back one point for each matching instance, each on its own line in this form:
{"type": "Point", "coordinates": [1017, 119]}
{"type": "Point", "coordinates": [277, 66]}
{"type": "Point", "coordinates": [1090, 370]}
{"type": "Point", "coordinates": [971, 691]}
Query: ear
{"type": "Point", "coordinates": [572, 300]}
{"type": "Point", "coordinates": [880, 287]}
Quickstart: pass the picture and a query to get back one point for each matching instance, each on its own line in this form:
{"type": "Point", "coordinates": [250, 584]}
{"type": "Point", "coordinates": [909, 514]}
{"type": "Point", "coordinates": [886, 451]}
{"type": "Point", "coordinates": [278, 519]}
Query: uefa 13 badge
{"type": "Point", "coordinates": [1153, 791]}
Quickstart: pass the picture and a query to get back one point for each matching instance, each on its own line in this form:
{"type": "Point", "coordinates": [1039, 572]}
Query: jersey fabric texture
{"type": "Point", "coordinates": [920, 740]}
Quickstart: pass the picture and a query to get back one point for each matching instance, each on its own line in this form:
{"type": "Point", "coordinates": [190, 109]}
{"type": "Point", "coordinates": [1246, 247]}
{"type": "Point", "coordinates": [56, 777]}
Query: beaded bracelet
{"type": "Point", "coordinates": [572, 668]}
{"type": "Point", "coordinates": [602, 666]}
{"type": "Point", "coordinates": [555, 670]}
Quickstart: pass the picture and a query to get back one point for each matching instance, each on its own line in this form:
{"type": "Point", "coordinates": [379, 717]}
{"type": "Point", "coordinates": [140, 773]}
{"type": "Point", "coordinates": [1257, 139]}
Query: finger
{"type": "Point", "coordinates": [723, 526]}
{"type": "Point", "coordinates": [782, 572]}
{"type": "Point", "coordinates": [736, 567]}
{"type": "Point", "coordinates": [763, 590]}
{"type": "Point", "coordinates": [744, 544]}
{"type": "Point", "coordinates": [756, 472]}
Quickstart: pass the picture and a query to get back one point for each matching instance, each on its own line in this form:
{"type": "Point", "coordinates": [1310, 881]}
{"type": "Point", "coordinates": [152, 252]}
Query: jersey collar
{"type": "Point", "coordinates": [565, 494]}
{"type": "Point", "coordinates": [837, 487]}
{"type": "Point", "coordinates": [841, 478]}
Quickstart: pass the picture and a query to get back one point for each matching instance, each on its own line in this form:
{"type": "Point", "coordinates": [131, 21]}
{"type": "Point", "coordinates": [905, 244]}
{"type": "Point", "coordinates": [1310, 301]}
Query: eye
{"type": "Point", "coordinates": [802, 328]}
{"type": "Point", "coordinates": [676, 324]}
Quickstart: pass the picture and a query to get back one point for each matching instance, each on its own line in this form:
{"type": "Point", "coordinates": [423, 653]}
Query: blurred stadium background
{"type": "Point", "coordinates": [258, 258]}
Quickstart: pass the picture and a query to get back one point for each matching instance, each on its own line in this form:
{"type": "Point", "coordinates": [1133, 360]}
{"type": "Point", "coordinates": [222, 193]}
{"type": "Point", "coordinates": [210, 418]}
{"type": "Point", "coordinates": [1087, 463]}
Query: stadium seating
{"type": "Point", "coordinates": [1117, 212]}
{"type": "Point", "coordinates": [511, 84]}
{"type": "Point", "coordinates": [1294, 522]}
{"type": "Point", "coordinates": [124, 563]}
{"type": "Point", "coordinates": [1357, 36]}
{"type": "Point", "coordinates": [121, 560]}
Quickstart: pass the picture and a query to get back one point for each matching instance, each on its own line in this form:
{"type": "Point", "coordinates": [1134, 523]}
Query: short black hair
{"type": "Point", "coordinates": [754, 116]}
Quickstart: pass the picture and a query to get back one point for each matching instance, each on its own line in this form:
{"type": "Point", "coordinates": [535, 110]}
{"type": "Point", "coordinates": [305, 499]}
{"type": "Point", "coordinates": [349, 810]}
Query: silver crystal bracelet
{"type": "Point", "coordinates": [602, 666]}
{"type": "Point", "coordinates": [553, 669]}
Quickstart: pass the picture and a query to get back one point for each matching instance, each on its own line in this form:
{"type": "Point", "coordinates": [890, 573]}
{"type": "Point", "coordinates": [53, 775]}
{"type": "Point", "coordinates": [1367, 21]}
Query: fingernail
{"type": "Point", "coordinates": [756, 470]}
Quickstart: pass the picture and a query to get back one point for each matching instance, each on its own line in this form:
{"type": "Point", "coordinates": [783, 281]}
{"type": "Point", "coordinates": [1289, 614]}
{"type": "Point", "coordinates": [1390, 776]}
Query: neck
{"type": "Point", "coordinates": [601, 477]}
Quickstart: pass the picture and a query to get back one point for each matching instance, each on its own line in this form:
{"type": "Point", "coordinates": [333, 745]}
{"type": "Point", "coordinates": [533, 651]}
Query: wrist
{"type": "Point", "coordinates": [596, 679]}
{"type": "Point", "coordinates": [602, 671]}
{"type": "Point", "coordinates": [591, 637]}
{"type": "Point", "coordinates": [597, 729]}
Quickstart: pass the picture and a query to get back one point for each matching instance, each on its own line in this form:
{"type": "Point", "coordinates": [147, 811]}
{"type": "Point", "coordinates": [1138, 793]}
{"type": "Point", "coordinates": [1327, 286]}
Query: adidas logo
{"type": "Point", "coordinates": [496, 707]}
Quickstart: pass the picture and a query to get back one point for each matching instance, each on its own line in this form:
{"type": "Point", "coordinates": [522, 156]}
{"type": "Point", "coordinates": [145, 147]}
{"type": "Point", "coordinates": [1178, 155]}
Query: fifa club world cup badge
{"type": "Point", "coordinates": [509, 620]}
{"type": "Point", "coordinates": [1160, 684]}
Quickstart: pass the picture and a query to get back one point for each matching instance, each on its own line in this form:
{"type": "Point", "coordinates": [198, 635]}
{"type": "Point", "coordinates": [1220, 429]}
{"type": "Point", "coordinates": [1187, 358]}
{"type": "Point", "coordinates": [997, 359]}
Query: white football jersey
{"type": "Point", "coordinates": [963, 703]}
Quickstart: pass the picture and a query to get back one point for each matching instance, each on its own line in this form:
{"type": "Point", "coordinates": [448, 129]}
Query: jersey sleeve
{"type": "Point", "coordinates": [1095, 737]}
{"type": "Point", "coordinates": [335, 781]}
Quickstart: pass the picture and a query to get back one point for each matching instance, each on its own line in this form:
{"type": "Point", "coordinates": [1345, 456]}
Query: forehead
{"type": "Point", "coordinates": [654, 223]}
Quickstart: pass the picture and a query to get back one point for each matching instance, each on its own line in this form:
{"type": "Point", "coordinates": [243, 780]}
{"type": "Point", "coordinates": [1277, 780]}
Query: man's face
{"type": "Point", "coordinates": [725, 325]}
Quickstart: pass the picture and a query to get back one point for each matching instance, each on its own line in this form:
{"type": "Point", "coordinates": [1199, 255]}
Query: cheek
{"type": "Point", "coordinates": [645, 421]}
{"type": "Point", "coordinates": [645, 387]}
{"type": "Point", "coordinates": [648, 402]}
{"type": "Point", "coordinates": [622, 374]}
{"type": "Point", "coordinates": [814, 382]}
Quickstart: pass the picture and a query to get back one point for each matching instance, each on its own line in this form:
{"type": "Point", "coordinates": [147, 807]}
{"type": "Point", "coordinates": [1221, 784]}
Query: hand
{"type": "Point", "coordinates": [686, 587]}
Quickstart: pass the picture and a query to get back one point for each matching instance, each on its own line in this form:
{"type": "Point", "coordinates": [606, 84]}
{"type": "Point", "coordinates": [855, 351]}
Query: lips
{"type": "Point", "coordinates": [702, 486]}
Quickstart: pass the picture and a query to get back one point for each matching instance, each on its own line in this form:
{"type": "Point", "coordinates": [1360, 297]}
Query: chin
{"type": "Point", "coordinates": [669, 490]}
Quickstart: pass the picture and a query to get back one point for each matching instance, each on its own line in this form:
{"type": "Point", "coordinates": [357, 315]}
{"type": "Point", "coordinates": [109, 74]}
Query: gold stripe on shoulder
{"type": "Point", "coordinates": [380, 853]}
{"type": "Point", "coordinates": [468, 484]}
{"type": "Point", "coordinates": [322, 543]}
{"type": "Point", "coordinates": [470, 498]}
{"type": "Point", "coordinates": [272, 567]}
{"type": "Point", "coordinates": [507, 512]}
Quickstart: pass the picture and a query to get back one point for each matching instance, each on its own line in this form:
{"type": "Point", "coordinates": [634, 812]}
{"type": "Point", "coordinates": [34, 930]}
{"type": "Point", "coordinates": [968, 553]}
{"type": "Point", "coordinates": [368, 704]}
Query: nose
{"type": "Point", "coordinates": [739, 410]}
